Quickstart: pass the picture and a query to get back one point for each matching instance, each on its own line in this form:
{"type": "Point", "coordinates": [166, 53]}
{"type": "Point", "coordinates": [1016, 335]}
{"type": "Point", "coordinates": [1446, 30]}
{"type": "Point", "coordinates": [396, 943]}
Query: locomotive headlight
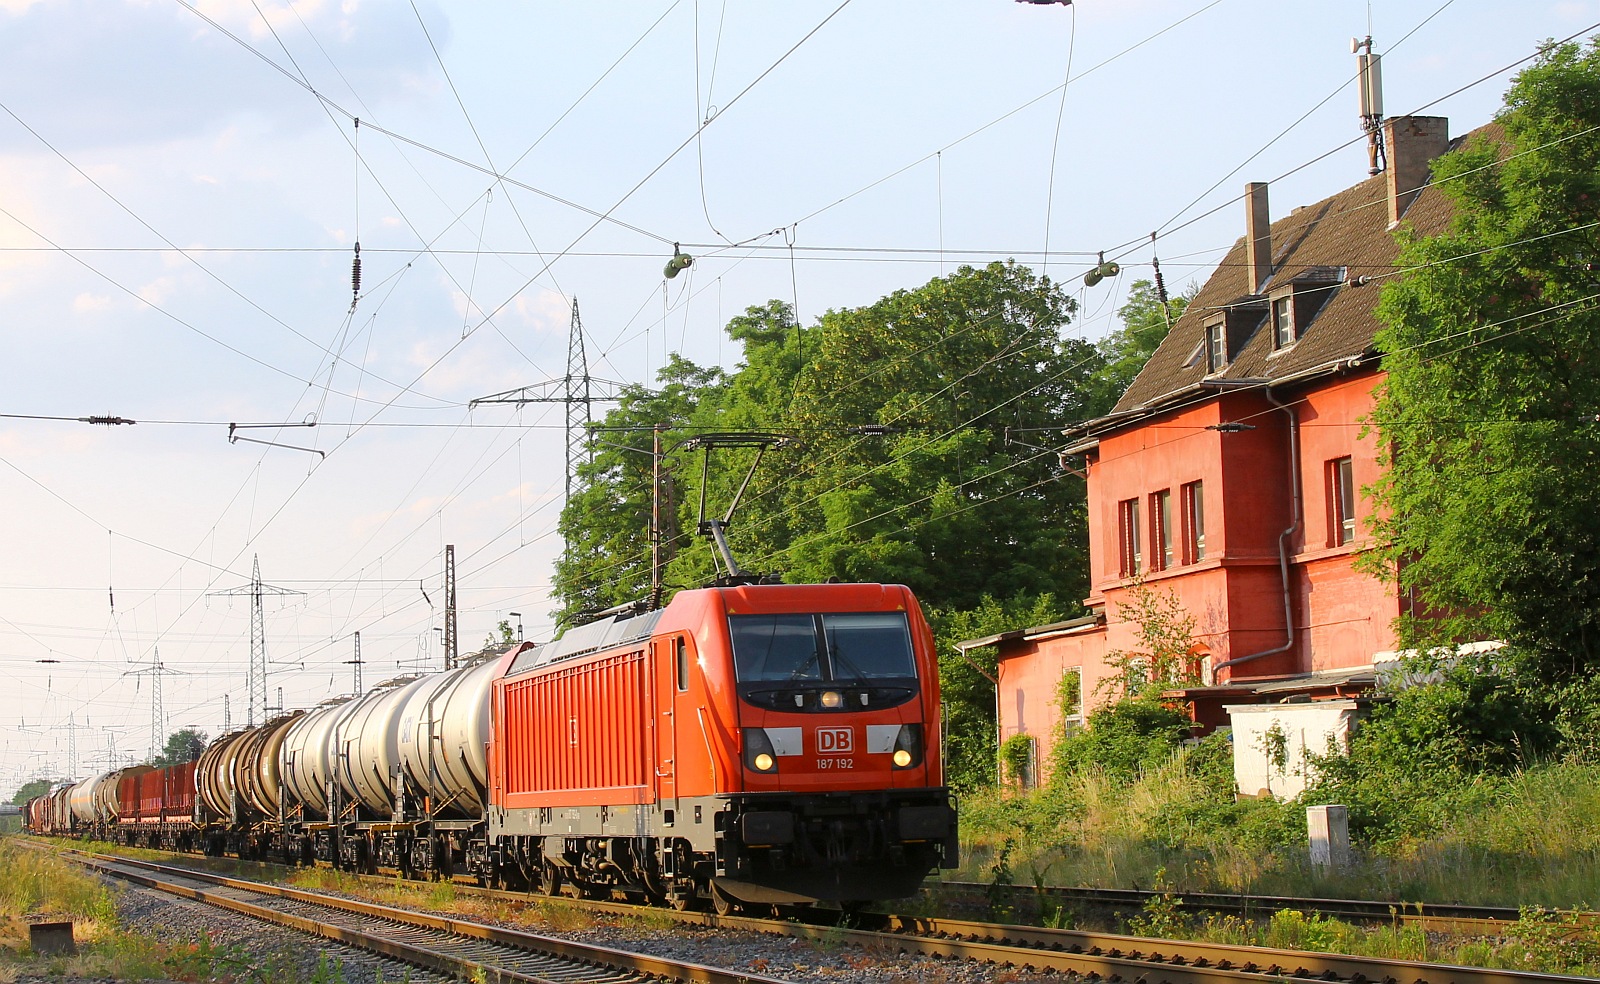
{"type": "Point", "coordinates": [832, 700]}
{"type": "Point", "coordinates": [908, 747]}
{"type": "Point", "coordinates": [759, 755]}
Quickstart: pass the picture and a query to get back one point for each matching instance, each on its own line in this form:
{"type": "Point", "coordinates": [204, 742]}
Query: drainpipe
{"type": "Point", "coordinates": [1284, 539]}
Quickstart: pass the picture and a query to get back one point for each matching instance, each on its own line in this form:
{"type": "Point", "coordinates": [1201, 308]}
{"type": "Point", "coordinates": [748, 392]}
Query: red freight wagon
{"type": "Point", "coordinates": [151, 787]}
{"type": "Point", "coordinates": [177, 795]}
{"type": "Point", "coordinates": [130, 793]}
{"type": "Point", "coordinates": [765, 743]}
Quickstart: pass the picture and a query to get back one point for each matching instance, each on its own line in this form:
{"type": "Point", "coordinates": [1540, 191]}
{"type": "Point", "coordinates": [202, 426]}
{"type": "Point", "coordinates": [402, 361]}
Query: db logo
{"type": "Point", "coordinates": [834, 741]}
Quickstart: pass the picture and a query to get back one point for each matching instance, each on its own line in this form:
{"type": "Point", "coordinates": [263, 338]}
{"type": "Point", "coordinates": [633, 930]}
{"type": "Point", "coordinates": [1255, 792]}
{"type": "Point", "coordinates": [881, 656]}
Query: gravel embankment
{"type": "Point", "coordinates": [784, 957]}
{"type": "Point", "coordinates": [287, 955]}
{"type": "Point", "coordinates": [274, 953]}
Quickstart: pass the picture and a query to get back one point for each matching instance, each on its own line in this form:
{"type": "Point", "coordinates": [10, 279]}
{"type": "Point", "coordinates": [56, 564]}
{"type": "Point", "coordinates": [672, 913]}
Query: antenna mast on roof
{"type": "Point", "coordinates": [1369, 86]}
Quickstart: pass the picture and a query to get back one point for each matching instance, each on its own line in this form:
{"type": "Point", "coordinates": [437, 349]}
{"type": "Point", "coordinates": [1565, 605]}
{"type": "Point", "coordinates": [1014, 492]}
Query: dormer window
{"type": "Point", "coordinates": [1216, 346]}
{"type": "Point", "coordinates": [1297, 301]}
{"type": "Point", "coordinates": [1283, 326]}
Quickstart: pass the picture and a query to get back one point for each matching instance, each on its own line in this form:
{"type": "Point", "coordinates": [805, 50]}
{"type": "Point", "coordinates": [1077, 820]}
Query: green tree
{"type": "Point", "coordinates": [1165, 658]}
{"type": "Point", "coordinates": [183, 745]}
{"type": "Point", "coordinates": [502, 636]}
{"type": "Point", "coordinates": [606, 524]}
{"type": "Point", "coordinates": [30, 789]}
{"type": "Point", "coordinates": [1491, 343]}
{"type": "Point", "coordinates": [931, 495]}
{"type": "Point", "coordinates": [967, 681]}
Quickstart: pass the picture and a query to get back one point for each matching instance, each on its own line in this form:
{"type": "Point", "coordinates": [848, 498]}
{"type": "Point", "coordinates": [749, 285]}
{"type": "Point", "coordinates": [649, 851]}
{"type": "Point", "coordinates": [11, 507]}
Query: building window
{"type": "Point", "coordinates": [1161, 528]}
{"type": "Point", "coordinates": [1072, 699]}
{"type": "Point", "coordinates": [1194, 523]}
{"type": "Point", "coordinates": [1128, 534]}
{"type": "Point", "coordinates": [1216, 346]}
{"type": "Point", "coordinates": [1283, 321]}
{"type": "Point", "coordinates": [1341, 503]}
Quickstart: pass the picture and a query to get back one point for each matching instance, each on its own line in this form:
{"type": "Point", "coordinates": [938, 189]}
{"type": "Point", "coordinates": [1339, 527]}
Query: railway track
{"type": "Point", "coordinates": [1432, 917]}
{"type": "Point", "coordinates": [1102, 956]}
{"type": "Point", "coordinates": [452, 947]}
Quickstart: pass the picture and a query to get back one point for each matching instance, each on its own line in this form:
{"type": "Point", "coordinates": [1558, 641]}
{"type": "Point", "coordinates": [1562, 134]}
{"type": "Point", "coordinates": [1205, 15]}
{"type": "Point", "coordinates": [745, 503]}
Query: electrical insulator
{"type": "Point", "coordinates": [1161, 284]}
{"type": "Point", "coordinates": [355, 272]}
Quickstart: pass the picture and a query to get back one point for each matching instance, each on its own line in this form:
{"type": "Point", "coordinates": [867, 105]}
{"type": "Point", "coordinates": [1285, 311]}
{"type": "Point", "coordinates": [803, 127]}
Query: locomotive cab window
{"type": "Point", "coordinates": [843, 661]}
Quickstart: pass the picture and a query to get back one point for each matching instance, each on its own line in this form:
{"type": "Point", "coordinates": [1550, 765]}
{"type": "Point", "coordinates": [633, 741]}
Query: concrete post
{"type": "Point", "coordinates": [1329, 831]}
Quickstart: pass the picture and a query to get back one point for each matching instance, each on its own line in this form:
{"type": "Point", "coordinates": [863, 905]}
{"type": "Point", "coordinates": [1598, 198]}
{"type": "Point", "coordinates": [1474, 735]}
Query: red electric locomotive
{"type": "Point", "coordinates": [759, 743]}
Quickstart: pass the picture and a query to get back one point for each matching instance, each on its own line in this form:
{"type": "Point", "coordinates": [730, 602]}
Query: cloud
{"type": "Point", "coordinates": [544, 311]}
{"type": "Point", "coordinates": [157, 291]}
{"type": "Point", "coordinates": [91, 303]}
{"type": "Point", "coordinates": [78, 61]}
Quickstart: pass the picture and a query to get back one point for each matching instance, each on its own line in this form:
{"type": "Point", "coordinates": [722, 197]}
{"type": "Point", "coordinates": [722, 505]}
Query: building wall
{"type": "Point", "coordinates": [1343, 615]}
{"type": "Point", "coordinates": [1030, 681]}
{"type": "Point", "coordinates": [1235, 592]}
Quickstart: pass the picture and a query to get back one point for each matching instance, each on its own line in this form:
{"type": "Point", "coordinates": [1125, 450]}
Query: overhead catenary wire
{"type": "Point", "coordinates": [381, 423]}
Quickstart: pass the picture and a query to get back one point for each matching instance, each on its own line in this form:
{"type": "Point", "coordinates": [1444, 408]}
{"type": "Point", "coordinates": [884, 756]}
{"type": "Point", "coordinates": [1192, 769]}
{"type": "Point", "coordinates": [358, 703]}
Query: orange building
{"type": "Point", "coordinates": [1231, 473]}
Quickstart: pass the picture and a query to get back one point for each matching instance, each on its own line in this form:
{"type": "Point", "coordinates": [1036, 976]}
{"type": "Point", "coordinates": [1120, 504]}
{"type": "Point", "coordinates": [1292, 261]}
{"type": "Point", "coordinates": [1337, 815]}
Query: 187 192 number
{"type": "Point", "coordinates": [836, 763]}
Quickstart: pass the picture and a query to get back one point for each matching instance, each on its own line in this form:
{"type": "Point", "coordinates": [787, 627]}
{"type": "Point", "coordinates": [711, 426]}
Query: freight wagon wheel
{"type": "Point", "coordinates": [722, 903]}
{"type": "Point", "coordinates": [681, 901]}
{"type": "Point", "coordinates": [550, 880]}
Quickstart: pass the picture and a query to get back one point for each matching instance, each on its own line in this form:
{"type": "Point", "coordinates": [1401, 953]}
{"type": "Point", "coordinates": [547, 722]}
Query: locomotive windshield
{"type": "Point", "coordinates": [845, 648]}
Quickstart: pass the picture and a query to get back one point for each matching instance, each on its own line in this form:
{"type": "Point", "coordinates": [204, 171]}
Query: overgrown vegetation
{"type": "Point", "coordinates": [1468, 785]}
{"type": "Point", "coordinates": [38, 883]}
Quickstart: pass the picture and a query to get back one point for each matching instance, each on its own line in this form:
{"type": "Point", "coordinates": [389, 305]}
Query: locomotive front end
{"type": "Point", "coordinates": [839, 793]}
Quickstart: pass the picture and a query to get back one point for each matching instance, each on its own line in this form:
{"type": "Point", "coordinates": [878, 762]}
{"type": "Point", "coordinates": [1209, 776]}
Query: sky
{"type": "Point", "coordinates": [183, 184]}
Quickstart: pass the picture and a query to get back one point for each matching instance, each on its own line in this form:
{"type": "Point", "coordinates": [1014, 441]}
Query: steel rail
{"type": "Point", "coordinates": [606, 961]}
{"type": "Point", "coordinates": [1103, 955]}
{"type": "Point", "coordinates": [1422, 913]}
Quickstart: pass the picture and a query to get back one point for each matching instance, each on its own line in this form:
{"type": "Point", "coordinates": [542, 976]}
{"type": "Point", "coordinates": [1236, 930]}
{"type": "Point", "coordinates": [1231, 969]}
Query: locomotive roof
{"type": "Point", "coordinates": [626, 627]}
{"type": "Point", "coordinates": [588, 638]}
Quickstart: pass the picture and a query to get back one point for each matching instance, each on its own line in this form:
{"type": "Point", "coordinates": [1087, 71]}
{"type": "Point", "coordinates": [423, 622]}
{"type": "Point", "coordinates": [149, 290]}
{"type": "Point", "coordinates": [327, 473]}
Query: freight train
{"type": "Point", "coordinates": [745, 744]}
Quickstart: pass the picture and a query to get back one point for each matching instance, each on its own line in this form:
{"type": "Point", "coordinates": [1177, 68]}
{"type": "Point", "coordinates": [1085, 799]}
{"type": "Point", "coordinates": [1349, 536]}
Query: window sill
{"type": "Point", "coordinates": [1322, 553]}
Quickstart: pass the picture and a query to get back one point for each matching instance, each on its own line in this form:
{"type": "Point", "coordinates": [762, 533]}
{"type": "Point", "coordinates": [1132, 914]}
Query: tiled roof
{"type": "Point", "coordinates": [1334, 241]}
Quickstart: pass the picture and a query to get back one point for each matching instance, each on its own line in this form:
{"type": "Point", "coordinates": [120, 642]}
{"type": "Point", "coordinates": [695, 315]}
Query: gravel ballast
{"type": "Point", "coordinates": [261, 947]}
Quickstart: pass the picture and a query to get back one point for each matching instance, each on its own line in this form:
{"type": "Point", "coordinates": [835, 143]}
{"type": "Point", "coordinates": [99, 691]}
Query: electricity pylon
{"type": "Point", "coordinates": [577, 389]}
{"type": "Point", "coordinates": [258, 638]}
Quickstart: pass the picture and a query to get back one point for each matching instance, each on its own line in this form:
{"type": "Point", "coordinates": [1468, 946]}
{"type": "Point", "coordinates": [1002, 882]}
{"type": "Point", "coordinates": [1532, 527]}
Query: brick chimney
{"type": "Point", "coordinates": [1257, 234]}
{"type": "Point", "coordinates": [1410, 144]}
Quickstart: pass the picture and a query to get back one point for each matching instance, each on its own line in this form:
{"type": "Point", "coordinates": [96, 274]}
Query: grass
{"type": "Point", "coordinates": [1532, 840]}
{"type": "Point", "coordinates": [1528, 840]}
{"type": "Point", "coordinates": [35, 883]}
{"type": "Point", "coordinates": [1540, 941]}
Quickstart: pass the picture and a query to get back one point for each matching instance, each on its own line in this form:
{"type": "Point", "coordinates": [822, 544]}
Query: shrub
{"type": "Point", "coordinates": [1411, 763]}
{"type": "Point", "coordinates": [1122, 740]}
